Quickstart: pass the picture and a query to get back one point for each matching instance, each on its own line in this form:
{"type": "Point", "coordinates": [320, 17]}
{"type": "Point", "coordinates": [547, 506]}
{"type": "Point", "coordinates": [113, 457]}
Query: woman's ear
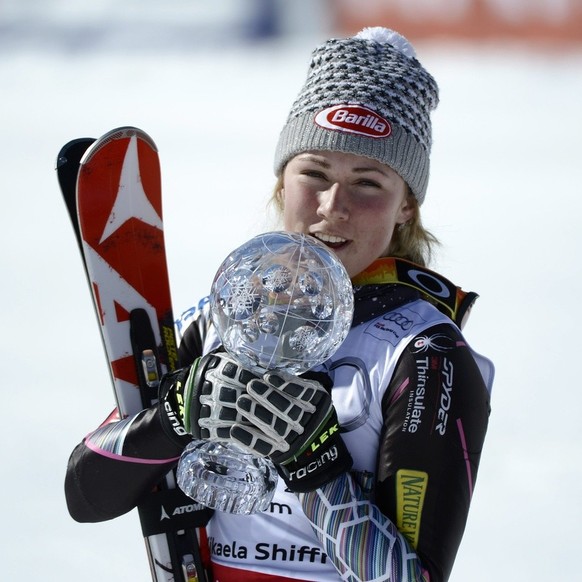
{"type": "Point", "coordinates": [407, 209]}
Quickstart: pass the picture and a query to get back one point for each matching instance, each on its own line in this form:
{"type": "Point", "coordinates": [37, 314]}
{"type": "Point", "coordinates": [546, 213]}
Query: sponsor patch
{"type": "Point", "coordinates": [395, 325]}
{"type": "Point", "coordinates": [354, 119]}
{"type": "Point", "coordinates": [410, 492]}
{"type": "Point", "coordinates": [416, 404]}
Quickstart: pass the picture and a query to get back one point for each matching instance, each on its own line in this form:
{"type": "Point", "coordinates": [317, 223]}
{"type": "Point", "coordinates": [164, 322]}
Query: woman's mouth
{"type": "Point", "coordinates": [331, 240]}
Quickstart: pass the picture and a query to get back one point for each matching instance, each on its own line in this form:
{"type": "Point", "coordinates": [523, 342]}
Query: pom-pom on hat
{"type": "Point", "coordinates": [367, 95]}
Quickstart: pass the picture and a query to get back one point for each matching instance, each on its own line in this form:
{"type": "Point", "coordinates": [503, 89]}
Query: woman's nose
{"type": "Point", "coordinates": [333, 203]}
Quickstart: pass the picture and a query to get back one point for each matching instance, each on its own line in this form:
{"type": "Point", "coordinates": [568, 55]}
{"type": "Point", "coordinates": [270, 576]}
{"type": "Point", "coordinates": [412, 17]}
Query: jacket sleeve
{"type": "Point", "coordinates": [408, 526]}
{"type": "Point", "coordinates": [191, 329]}
{"type": "Point", "coordinates": [435, 414]}
{"type": "Point", "coordinates": [116, 466]}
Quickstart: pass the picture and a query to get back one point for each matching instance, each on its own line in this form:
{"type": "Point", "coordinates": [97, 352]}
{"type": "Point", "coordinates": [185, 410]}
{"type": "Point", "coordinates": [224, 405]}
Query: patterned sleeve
{"type": "Point", "coordinates": [435, 412]}
{"type": "Point", "coordinates": [363, 543]}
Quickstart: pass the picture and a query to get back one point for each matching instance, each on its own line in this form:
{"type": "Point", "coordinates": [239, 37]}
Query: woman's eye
{"type": "Point", "coordinates": [314, 174]}
{"type": "Point", "coordinates": [369, 183]}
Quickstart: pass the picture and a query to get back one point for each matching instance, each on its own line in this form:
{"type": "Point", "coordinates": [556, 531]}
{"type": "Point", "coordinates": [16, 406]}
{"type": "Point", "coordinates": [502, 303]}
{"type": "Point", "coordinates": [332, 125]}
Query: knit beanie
{"type": "Point", "coordinates": [366, 95]}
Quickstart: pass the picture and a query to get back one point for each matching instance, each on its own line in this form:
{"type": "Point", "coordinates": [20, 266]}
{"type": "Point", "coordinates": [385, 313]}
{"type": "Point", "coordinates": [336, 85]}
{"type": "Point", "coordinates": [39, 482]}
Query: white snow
{"type": "Point", "coordinates": [504, 199]}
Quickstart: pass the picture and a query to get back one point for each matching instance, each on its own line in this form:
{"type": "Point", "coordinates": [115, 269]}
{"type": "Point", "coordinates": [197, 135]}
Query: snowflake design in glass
{"type": "Point", "coordinates": [243, 298]}
{"type": "Point", "coordinates": [277, 278]}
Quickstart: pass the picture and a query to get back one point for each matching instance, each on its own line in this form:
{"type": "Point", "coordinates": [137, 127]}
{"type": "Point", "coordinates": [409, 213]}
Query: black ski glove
{"type": "Point", "coordinates": [200, 400]}
{"type": "Point", "coordinates": [292, 421]}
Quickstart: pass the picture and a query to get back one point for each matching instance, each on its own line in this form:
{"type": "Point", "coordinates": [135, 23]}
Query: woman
{"type": "Point", "coordinates": [378, 450]}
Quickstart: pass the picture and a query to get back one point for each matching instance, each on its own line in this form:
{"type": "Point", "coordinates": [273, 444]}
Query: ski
{"type": "Point", "coordinates": [68, 162]}
{"type": "Point", "coordinates": [112, 189]}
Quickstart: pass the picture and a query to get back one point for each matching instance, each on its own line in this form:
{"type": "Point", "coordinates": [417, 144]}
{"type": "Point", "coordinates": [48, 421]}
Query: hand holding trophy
{"type": "Point", "coordinates": [282, 301]}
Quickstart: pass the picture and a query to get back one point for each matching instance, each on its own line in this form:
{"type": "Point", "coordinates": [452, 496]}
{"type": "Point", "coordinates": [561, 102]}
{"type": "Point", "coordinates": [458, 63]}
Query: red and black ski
{"type": "Point", "coordinates": [112, 188]}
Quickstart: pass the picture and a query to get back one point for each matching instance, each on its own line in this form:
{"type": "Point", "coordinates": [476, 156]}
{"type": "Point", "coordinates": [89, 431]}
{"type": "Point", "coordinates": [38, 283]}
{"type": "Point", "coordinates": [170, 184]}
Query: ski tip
{"type": "Point", "coordinates": [119, 133]}
{"type": "Point", "coordinates": [73, 151]}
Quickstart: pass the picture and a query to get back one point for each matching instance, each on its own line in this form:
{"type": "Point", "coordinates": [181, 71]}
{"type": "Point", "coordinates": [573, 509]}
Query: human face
{"type": "Point", "coordinates": [351, 203]}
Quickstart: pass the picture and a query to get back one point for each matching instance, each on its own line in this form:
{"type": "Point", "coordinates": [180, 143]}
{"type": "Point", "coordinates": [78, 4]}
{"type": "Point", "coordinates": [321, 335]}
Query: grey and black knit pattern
{"type": "Point", "coordinates": [376, 75]}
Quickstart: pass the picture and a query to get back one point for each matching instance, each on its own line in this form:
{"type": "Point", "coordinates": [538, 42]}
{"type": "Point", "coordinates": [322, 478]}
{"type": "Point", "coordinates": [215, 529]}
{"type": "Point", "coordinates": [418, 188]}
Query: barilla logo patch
{"type": "Point", "coordinates": [353, 119]}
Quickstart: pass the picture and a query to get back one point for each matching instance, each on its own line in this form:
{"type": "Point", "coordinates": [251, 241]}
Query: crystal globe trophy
{"type": "Point", "coordinates": [282, 301]}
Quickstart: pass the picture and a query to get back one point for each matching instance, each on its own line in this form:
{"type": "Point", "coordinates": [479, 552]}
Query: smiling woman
{"type": "Point", "coordinates": [378, 448]}
{"type": "Point", "coordinates": [409, 240]}
{"type": "Point", "coordinates": [351, 203]}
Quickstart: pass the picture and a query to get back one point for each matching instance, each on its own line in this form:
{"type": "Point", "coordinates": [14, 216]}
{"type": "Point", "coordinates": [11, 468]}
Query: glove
{"type": "Point", "coordinates": [292, 421]}
{"type": "Point", "coordinates": [200, 400]}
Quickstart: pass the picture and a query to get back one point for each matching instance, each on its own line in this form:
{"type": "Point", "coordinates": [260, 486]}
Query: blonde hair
{"type": "Point", "coordinates": [410, 241]}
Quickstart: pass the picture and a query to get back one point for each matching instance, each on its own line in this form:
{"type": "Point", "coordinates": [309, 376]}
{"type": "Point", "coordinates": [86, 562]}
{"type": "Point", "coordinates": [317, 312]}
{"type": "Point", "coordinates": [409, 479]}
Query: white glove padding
{"type": "Point", "coordinates": [293, 422]}
{"type": "Point", "coordinates": [210, 396]}
{"type": "Point", "coordinates": [284, 413]}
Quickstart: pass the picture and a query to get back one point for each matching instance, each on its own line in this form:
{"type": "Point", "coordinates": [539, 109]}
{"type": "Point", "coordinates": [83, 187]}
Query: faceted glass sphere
{"type": "Point", "coordinates": [282, 301]}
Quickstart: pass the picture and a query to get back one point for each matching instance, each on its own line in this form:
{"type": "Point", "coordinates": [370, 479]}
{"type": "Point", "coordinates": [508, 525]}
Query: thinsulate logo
{"type": "Point", "coordinates": [353, 119]}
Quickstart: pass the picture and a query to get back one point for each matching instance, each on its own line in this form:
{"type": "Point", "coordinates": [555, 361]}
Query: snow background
{"type": "Point", "coordinates": [504, 200]}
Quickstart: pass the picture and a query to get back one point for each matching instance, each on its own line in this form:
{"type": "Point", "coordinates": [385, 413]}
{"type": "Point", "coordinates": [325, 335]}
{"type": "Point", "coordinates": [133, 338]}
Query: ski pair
{"type": "Point", "coordinates": [112, 190]}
